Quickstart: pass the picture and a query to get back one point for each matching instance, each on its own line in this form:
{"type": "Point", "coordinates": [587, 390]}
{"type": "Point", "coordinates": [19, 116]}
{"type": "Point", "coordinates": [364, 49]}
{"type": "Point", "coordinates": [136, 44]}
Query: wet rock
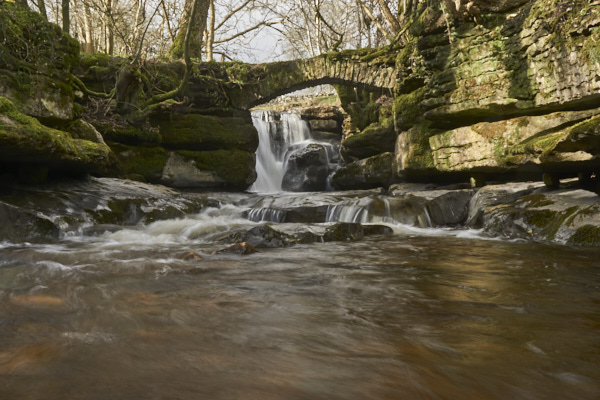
{"type": "Point", "coordinates": [101, 229]}
{"type": "Point", "coordinates": [307, 169]}
{"type": "Point", "coordinates": [449, 209]}
{"type": "Point", "coordinates": [373, 140]}
{"type": "Point", "coordinates": [327, 125]}
{"type": "Point", "coordinates": [203, 132]}
{"type": "Point", "coordinates": [232, 169]}
{"type": "Point", "coordinates": [306, 237]}
{"type": "Point", "coordinates": [24, 140]}
{"type": "Point", "coordinates": [492, 195]}
{"type": "Point", "coordinates": [238, 248]}
{"type": "Point", "coordinates": [375, 230]}
{"type": "Point", "coordinates": [365, 174]}
{"type": "Point", "coordinates": [81, 129]}
{"type": "Point", "coordinates": [92, 206]}
{"type": "Point", "coordinates": [307, 214]}
{"type": "Point", "coordinates": [18, 225]}
{"type": "Point", "coordinates": [263, 236]}
{"type": "Point", "coordinates": [191, 256]}
{"type": "Point", "coordinates": [344, 232]}
{"type": "Point", "coordinates": [564, 216]}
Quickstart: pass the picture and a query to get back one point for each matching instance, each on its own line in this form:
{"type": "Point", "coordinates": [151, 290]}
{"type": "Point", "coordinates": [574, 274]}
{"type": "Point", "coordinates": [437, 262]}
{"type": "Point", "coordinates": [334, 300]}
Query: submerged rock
{"type": "Point", "coordinates": [191, 256]}
{"type": "Point", "coordinates": [343, 232]}
{"type": "Point", "coordinates": [263, 236]}
{"type": "Point", "coordinates": [238, 248]}
{"type": "Point", "coordinates": [18, 225]}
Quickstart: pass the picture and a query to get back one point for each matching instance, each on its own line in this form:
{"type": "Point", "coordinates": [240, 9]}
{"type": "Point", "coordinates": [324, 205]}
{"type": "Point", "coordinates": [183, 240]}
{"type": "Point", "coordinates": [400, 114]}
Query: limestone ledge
{"type": "Point", "coordinates": [25, 142]}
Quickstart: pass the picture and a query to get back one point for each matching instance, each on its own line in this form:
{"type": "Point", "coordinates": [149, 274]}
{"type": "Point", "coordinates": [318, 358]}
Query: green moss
{"type": "Point", "coordinates": [128, 134]}
{"type": "Point", "coordinates": [536, 200]}
{"type": "Point", "coordinates": [32, 44]}
{"type": "Point", "coordinates": [25, 139]}
{"type": "Point", "coordinates": [407, 107]}
{"type": "Point", "coordinates": [148, 162]}
{"type": "Point", "coordinates": [587, 235]}
{"type": "Point", "coordinates": [235, 167]}
{"type": "Point", "coordinates": [201, 132]}
{"type": "Point", "coordinates": [546, 223]}
{"type": "Point", "coordinates": [100, 60]}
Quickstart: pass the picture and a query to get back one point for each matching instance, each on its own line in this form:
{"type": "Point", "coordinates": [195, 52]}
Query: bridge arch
{"type": "Point", "coordinates": [264, 82]}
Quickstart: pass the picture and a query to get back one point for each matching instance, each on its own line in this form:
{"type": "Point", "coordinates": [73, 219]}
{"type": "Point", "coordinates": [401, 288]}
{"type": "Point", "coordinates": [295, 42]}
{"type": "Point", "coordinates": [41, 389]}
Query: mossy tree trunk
{"type": "Point", "coordinates": [193, 22]}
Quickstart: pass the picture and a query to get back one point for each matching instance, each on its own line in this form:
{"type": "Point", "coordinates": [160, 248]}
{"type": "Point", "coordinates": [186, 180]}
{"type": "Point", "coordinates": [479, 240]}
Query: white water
{"type": "Point", "coordinates": [273, 151]}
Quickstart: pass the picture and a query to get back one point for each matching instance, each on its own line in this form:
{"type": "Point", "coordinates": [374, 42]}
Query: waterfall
{"type": "Point", "coordinates": [276, 139]}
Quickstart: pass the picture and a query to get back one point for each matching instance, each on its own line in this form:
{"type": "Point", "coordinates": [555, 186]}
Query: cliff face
{"type": "Point", "coordinates": [512, 93]}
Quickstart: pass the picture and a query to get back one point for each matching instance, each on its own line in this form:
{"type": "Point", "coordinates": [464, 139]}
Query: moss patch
{"type": "Point", "coordinates": [587, 235]}
{"type": "Point", "coordinates": [127, 134]}
{"type": "Point", "coordinates": [201, 132]}
{"type": "Point", "coordinates": [407, 108]}
{"type": "Point", "coordinates": [235, 167]}
{"type": "Point", "coordinates": [24, 139]}
{"type": "Point", "coordinates": [148, 162]}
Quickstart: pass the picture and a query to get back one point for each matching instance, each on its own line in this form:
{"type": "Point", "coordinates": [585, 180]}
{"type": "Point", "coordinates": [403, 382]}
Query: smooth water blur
{"type": "Point", "coordinates": [422, 314]}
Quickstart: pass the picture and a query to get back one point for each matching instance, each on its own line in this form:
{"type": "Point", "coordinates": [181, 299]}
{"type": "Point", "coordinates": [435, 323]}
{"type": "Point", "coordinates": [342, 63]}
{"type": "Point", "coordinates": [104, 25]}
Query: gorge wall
{"type": "Point", "coordinates": [510, 93]}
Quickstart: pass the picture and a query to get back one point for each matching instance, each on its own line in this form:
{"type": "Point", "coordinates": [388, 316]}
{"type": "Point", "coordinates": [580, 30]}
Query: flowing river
{"type": "Point", "coordinates": [418, 314]}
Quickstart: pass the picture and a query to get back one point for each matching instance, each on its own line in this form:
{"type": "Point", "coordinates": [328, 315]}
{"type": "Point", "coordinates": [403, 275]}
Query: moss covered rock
{"type": "Point", "coordinates": [369, 173]}
{"type": "Point", "coordinates": [140, 161]}
{"type": "Point", "coordinates": [202, 132]}
{"type": "Point", "coordinates": [232, 169]}
{"type": "Point", "coordinates": [36, 63]}
{"type": "Point", "coordinates": [24, 140]}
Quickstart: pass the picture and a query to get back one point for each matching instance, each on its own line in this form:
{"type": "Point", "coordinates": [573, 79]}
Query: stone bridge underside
{"type": "Point", "coordinates": [264, 82]}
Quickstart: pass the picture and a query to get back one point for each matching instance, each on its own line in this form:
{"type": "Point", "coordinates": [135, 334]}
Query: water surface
{"type": "Point", "coordinates": [421, 314]}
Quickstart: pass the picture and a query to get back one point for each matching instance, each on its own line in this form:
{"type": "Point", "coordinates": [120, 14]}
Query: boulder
{"type": "Point", "coordinates": [263, 236]}
{"type": "Point", "coordinates": [36, 64]}
{"type": "Point", "coordinates": [566, 216]}
{"type": "Point", "coordinates": [450, 208]}
{"type": "Point", "coordinates": [238, 248]}
{"type": "Point", "coordinates": [493, 195]}
{"type": "Point", "coordinates": [19, 225]}
{"type": "Point", "coordinates": [307, 169]}
{"type": "Point", "coordinates": [374, 139]}
{"type": "Point", "coordinates": [369, 173]}
{"type": "Point", "coordinates": [327, 125]}
{"type": "Point", "coordinates": [344, 231]}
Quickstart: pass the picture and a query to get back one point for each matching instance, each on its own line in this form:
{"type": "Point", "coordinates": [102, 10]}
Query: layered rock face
{"type": "Point", "coordinates": [512, 94]}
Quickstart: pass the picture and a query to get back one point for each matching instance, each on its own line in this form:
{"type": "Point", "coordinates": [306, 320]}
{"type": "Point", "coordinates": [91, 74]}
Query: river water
{"type": "Point", "coordinates": [419, 314]}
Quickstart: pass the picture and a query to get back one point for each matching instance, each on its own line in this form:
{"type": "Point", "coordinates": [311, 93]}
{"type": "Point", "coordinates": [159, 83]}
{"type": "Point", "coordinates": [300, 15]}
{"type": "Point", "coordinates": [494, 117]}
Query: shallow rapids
{"type": "Point", "coordinates": [420, 314]}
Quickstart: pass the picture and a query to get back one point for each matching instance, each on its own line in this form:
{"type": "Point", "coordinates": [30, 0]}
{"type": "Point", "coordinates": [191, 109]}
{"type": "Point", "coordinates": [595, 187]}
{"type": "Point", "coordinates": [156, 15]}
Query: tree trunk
{"type": "Point", "coordinates": [210, 32]}
{"type": "Point", "coordinates": [89, 45]}
{"type": "Point", "coordinates": [110, 35]}
{"type": "Point", "coordinates": [42, 6]}
{"type": "Point", "coordinates": [66, 16]}
{"type": "Point", "coordinates": [197, 24]}
{"type": "Point", "coordinates": [391, 19]}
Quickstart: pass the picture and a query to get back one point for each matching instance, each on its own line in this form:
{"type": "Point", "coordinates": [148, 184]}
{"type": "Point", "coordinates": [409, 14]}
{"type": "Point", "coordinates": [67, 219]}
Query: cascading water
{"type": "Point", "coordinates": [286, 152]}
{"type": "Point", "coordinates": [276, 138]}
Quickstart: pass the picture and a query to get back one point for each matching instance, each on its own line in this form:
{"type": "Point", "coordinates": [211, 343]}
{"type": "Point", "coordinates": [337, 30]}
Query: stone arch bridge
{"type": "Point", "coordinates": [260, 83]}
